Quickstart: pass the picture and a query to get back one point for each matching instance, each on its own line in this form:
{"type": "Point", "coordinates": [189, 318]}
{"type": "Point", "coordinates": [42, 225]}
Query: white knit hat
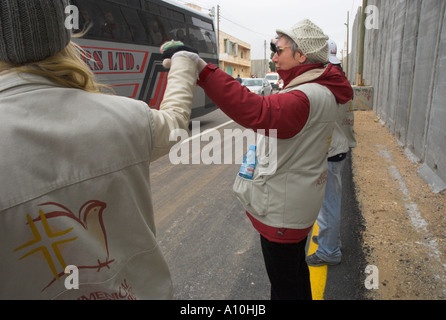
{"type": "Point", "coordinates": [310, 39]}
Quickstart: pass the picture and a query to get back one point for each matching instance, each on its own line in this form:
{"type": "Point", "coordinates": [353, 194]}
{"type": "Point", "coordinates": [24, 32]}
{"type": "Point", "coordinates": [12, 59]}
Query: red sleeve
{"type": "Point", "coordinates": [287, 113]}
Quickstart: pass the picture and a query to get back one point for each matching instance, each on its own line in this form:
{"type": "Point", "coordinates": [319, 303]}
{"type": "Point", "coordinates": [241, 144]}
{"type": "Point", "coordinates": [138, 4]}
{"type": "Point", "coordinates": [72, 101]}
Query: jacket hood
{"type": "Point", "coordinates": [329, 76]}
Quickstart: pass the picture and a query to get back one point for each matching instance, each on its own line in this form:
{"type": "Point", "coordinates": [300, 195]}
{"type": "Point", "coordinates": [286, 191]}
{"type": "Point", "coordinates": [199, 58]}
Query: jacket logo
{"type": "Point", "coordinates": [50, 241]}
{"type": "Point", "coordinates": [330, 138]}
{"type": "Point", "coordinates": [322, 179]}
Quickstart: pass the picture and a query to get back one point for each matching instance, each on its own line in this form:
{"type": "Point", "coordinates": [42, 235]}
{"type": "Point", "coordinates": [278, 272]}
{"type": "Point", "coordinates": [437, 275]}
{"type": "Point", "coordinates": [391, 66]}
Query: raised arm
{"type": "Point", "coordinates": [175, 109]}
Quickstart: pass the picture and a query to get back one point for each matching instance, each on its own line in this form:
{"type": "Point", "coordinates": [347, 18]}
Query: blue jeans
{"type": "Point", "coordinates": [329, 219]}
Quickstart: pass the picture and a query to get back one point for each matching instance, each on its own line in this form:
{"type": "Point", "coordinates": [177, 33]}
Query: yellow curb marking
{"type": "Point", "coordinates": [318, 275]}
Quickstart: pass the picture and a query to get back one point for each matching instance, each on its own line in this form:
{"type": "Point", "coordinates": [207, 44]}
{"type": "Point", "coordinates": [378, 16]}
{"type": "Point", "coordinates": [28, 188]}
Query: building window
{"type": "Point", "coordinates": [231, 48]}
{"type": "Point", "coordinates": [228, 46]}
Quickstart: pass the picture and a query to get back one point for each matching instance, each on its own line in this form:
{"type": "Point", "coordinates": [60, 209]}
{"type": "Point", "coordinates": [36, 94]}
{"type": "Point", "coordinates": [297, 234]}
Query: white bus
{"type": "Point", "coordinates": [124, 39]}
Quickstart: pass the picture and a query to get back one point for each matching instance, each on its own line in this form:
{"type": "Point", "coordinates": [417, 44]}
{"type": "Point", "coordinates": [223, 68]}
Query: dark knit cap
{"type": "Point", "coordinates": [32, 30]}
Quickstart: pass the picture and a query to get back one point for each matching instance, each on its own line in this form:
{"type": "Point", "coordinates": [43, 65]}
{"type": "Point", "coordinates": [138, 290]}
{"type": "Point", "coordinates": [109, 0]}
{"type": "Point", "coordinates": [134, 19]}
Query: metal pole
{"type": "Point", "coordinates": [359, 79]}
{"type": "Point", "coordinates": [265, 63]}
{"type": "Point", "coordinates": [348, 33]}
{"type": "Point", "coordinates": [218, 25]}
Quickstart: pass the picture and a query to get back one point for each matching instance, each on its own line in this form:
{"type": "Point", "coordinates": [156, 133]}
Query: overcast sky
{"type": "Point", "coordinates": [255, 21]}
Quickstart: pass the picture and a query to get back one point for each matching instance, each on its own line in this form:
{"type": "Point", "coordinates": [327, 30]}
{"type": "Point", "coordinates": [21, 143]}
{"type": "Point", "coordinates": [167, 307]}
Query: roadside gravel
{"type": "Point", "coordinates": [405, 221]}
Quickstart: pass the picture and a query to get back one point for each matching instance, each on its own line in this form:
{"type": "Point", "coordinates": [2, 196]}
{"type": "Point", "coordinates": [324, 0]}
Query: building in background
{"type": "Point", "coordinates": [235, 56]}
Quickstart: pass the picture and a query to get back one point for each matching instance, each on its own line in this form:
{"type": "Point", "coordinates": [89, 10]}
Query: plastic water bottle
{"type": "Point", "coordinates": [249, 163]}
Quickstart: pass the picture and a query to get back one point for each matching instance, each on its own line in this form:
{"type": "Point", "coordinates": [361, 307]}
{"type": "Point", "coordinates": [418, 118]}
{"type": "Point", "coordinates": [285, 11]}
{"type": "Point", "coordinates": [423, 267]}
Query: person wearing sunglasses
{"type": "Point", "coordinates": [283, 205]}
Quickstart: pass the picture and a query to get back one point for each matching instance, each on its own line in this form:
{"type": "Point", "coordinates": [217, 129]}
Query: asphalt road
{"type": "Point", "coordinates": [210, 245]}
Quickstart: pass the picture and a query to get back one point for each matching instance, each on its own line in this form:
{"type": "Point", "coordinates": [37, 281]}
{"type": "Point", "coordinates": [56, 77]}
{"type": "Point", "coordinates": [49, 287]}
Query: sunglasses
{"type": "Point", "coordinates": [277, 49]}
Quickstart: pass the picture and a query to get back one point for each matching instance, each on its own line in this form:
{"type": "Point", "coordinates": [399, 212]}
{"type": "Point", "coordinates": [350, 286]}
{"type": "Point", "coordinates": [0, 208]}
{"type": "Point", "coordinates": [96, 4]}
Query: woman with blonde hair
{"type": "Point", "coordinates": [76, 211]}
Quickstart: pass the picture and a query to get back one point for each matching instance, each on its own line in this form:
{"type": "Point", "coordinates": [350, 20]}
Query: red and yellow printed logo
{"type": "Point", "coordinates": [55, 235]}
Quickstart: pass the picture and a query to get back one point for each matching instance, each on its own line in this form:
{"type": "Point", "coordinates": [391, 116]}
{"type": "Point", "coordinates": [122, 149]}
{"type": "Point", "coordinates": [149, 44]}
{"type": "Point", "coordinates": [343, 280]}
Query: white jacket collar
{"type": "Point", "coordinates": [9, 80]}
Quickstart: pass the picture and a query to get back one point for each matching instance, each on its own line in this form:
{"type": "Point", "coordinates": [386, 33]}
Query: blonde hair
{"type": "Point", "coordinates": [67, 69]}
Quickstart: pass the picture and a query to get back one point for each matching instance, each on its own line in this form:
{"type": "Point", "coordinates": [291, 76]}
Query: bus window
{"type": "Point", "coordinates": [179, 33]}
{"type": "Point", "coordinates": [134, 3]}
{"type": "Point", "coordinates": [178, 16]}
{"type": "Point", "coordinates": [113, 25]}
{"type": "Point", "coordinates": [88, 17]}
{"type": "Point", "coordinates": [203, 33]}
{"type": "Point", "coordinates": [171, 14]}
{"type": "Point", "coordinates": [202, 24]}
{"type": "Point", "coordinates": [201, 39]}
{"type": "Point", "coordinates": [211, 42]}
{"type": "Point", "coordinates": [152, 8]}
{"type": "Point", "coordinates": [175, 30]}
{"type": "Point", "coordinates": [164, 12]}
{"type": "Point", "coordinates": [166, 27]}
{"type": "Point", "coordinates": [154, 29]}
{"type": "Point", "coordinates": [137, 30]}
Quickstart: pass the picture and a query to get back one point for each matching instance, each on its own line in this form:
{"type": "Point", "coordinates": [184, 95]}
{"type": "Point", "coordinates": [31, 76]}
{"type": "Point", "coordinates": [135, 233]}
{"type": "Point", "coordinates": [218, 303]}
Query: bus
{"type": "Point", "coordinates": [123, 40]}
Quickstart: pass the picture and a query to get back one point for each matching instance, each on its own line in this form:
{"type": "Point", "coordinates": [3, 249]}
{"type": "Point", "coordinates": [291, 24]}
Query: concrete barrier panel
{"type": "Point", "coordinates": [363, 98]}
{"type": "Point", "coordinates": [405, 77]}
{"type": "Point", "coordinates": [436, 138]}
{"type": "Point", "coordinates": [423, 81]}
{"type": "Point", "coordinates": [402, 110]}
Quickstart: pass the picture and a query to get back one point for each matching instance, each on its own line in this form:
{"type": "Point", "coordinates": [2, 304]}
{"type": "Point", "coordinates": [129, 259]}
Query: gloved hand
{"type": "Point", "coordinates": [172, 49]}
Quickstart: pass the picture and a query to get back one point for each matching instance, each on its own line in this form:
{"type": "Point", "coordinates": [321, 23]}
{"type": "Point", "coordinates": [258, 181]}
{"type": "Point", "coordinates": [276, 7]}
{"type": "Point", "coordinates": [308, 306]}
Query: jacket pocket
{"type": "Point", "coordinates": [253, 194]}
{"type": "Point", "coordinates": [277, 187]}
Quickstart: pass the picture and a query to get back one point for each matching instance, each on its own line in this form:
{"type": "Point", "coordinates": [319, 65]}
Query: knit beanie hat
{"type": "Point", "coordinates": [310, 39]}
{"type": "Point", "coordinates": [32, 30]}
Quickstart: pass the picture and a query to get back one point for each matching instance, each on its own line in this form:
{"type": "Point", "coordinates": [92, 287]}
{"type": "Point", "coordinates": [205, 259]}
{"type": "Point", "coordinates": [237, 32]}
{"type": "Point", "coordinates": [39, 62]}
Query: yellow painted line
{"type": "Point", "coordinates": [318, 275]}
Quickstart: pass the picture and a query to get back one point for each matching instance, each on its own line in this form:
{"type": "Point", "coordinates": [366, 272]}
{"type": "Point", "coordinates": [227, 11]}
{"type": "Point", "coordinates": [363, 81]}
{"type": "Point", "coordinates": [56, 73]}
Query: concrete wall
{"type": "Point", "coordinates": [259, 67]}
{"type": "Point", "coordinates": [405, 63]}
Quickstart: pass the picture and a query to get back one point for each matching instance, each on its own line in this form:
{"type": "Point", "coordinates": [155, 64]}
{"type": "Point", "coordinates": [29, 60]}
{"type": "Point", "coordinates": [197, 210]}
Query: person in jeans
{"type": "Point", "coordinates": [283, 203]}
{"type": "Point", "coordinates": [329, 220]}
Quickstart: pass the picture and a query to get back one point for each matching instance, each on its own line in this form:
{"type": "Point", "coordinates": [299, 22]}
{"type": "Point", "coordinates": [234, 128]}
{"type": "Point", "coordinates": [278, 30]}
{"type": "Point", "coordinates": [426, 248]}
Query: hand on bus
{"type": "Point", "coordinates": [173, 49]}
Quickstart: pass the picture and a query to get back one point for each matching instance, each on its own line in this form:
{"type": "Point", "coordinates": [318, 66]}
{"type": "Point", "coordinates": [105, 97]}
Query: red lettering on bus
{"type": "Point", "coordinates": [121, 61]}
{"type": "Point", "coordinates": [97, 56]}
{"type": "Point", "coordinates": [130, 61]}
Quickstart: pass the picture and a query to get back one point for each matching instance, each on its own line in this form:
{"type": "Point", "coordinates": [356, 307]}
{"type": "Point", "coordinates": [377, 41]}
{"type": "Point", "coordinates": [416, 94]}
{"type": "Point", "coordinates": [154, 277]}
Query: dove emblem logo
{"type": "Point", "coordinates": [57, 233]}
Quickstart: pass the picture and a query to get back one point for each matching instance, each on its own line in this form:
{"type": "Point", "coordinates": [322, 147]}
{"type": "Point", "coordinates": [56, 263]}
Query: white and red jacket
{"type": "Point", "coordinates": [75, 188]}
{"type": "Point", "coordinates": [283, 206]}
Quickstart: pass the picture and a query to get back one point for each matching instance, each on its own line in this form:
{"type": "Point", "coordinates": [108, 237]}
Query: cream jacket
{"type": "Point", "coordinates": [75, 189]}
{"type": "Point", "coordinates": [346, 122]}
{"type": "Point", "coordinates": [290, 196]}
{"type": "Point", "coordinates": [343, 136]}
